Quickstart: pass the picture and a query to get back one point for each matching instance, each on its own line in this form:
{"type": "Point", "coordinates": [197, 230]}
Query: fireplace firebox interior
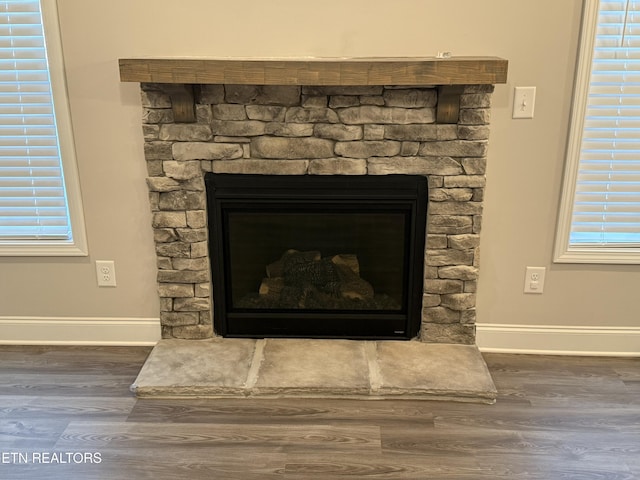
{"type": "Point", "coordinates": [317, 256]}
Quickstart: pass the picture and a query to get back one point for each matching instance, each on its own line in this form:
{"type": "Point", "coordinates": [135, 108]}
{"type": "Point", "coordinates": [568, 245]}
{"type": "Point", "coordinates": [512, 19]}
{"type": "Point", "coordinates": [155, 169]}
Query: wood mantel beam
{"type": "Point", "coordinates": [344, 71]}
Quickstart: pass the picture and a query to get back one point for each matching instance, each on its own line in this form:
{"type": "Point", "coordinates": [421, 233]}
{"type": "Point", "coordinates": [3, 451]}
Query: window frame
{"type": "Point", "coordinates": [77, 246]}
{"type": "Point", "coordinates": [564, 252]}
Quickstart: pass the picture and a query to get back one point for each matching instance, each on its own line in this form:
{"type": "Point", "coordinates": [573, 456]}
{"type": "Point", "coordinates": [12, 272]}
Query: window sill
{"type": "Point", "coordinates": [599, 255]}
{"type": "Point", "coordinates": [40, 248]}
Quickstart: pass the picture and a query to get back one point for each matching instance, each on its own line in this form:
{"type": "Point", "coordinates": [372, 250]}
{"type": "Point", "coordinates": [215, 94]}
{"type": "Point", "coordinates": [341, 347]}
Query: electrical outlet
{"type": "Point", "coordinates": [106, 273]}
{"type": "Point", "coordinates": [534, 280]}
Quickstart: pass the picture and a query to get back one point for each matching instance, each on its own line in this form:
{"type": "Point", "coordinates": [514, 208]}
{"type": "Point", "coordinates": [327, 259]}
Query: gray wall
{"type": "Point", "coordinates": [525, 156]}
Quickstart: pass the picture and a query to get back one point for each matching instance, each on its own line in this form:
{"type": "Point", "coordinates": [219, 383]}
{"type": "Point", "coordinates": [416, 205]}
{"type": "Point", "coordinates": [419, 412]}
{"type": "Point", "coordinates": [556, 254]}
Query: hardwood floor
{"type": "Point", "coordinates": [67, 413]}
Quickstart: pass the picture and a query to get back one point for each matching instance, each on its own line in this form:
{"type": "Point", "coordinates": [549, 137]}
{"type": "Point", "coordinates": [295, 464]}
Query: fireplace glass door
{"type": "Point", "coordinates": [334, 257]}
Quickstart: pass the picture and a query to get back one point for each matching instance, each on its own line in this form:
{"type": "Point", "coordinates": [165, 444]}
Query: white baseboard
{"type": "Point", "coordinates": [530, 339]}
{"type": "Point", "coordinates": [559, 340]}
{"type": "Point", "coordinates": [79, 331]}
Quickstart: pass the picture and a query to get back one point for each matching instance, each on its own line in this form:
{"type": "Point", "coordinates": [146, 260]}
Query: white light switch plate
{"type": "Point", "coordinates": [524, 102]}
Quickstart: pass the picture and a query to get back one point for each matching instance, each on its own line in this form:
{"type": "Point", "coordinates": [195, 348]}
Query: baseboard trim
{"type": "Point", "coordinates": [559, 340]}
{"type": "Point", "coordinates": [526, 339]}
{"type": "Point", "coordinates": [79, 331]}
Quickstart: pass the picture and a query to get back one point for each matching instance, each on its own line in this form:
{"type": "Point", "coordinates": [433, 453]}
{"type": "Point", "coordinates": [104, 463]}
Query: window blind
{"type": "Point", "coordinates": [33, 203]}
{"type": "Point", "coordinates": [606, 207]}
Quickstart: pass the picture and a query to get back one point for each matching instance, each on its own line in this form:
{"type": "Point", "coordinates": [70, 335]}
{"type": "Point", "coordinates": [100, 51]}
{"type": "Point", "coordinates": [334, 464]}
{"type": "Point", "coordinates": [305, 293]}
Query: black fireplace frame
{"type": "Point", "coordinates": [233, 191]}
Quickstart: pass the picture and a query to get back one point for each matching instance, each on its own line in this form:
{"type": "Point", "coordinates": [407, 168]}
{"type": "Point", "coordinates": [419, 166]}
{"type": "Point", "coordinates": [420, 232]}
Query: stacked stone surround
{"type": "Point", "coordinates": [293, 130]}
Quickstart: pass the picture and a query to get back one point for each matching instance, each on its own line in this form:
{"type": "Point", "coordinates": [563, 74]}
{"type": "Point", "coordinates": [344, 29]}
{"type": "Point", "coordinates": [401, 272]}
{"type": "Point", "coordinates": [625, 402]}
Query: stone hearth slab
{"type": "Point", "coordinates": [334, 367]}
{"type": "Point", "coordinates": [412, 367]}
{"type": "Point", "coordinates": [189, 367]}
{"type": "Point", "coordinates": [315, 368]}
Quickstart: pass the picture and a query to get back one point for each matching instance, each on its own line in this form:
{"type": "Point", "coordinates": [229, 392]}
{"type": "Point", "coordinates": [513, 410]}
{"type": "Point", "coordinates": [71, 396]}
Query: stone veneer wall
{"type": "Point", "coordinates": [289, 130]}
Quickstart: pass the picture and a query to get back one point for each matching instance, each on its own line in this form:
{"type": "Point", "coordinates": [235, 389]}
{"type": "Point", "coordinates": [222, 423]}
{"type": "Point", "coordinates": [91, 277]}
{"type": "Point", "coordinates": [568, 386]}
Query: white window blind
{"type": "Point", "coordinates": [602, 187]}
{"type": "Point", "coordinates": [33, 198]}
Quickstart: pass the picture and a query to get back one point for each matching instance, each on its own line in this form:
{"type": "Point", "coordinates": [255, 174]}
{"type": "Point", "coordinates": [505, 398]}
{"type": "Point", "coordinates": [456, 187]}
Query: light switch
{"type": "Point", "coordinates": [524, 101]}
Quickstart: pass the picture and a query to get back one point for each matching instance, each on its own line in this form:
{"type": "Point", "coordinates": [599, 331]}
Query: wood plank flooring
{"type": "Point", "coordinates": [67, 413]}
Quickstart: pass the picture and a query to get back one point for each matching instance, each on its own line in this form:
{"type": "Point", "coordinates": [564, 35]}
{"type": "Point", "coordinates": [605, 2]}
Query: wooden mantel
{"type": "Point", "coordinates": [321, 71]}
{"type": "Point", "coordinates": [446, 73]}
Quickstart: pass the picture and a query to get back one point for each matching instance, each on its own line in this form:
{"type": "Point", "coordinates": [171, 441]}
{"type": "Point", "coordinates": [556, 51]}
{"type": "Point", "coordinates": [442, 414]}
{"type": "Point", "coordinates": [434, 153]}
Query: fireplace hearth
{"type": "Point", "coordinates": [317, 256]}
{"type": "Point", "coordinates": [302, 125]}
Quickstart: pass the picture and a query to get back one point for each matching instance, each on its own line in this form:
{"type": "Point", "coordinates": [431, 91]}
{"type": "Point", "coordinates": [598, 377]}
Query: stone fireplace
{"type": "Point", "coordinates": [406, 122]}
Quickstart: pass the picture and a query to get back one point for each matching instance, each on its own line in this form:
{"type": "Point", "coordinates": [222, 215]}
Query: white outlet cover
{"type": "Point", "coordinates": [106, 273]}
{"type": "Point", "coordinates": [534, 280]}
